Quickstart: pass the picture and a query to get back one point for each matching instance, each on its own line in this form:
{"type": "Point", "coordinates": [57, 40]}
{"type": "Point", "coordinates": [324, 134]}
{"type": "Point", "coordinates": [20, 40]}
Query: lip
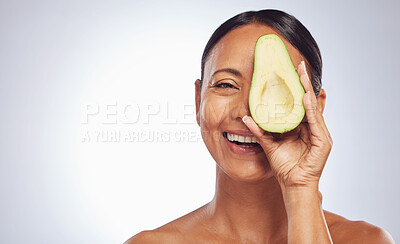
{"type": "Point", "coordinates": [240, 132]}
{"type": "Point", "coordinates": [242, 150]}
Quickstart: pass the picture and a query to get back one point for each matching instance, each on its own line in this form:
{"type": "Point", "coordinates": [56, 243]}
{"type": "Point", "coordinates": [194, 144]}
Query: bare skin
{"type": "Point", "coordinates": [270, 196]}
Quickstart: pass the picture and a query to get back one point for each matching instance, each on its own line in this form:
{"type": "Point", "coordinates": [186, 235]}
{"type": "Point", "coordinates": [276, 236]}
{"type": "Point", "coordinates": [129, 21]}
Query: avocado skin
{"type": "Point", "coordinates": [276, 93]}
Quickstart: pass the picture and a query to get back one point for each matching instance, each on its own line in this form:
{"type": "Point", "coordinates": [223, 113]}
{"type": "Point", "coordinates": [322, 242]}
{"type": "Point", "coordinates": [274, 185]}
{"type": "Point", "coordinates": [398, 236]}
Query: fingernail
{"type": "Point", "coordinates": [304, 67]}
{"type": "Point", "coordinates": [244, 119]}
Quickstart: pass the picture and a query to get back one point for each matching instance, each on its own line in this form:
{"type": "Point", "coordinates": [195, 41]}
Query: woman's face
{"type": "Point", "coordinates": [222, 101]}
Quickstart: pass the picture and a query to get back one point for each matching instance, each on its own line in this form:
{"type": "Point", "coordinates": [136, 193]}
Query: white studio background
{"type": "Point", "coordinates": [72, 69]}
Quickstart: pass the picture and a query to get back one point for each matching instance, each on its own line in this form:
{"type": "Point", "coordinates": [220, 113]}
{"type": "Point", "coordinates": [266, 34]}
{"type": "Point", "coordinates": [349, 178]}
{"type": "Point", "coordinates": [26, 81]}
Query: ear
{"type": "Point", "coordinates": [197, 84]}
{"type": "Point", "coordinates": [321, 100]}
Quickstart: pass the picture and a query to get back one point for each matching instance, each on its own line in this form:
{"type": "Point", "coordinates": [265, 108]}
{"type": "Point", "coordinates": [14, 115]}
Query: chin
{"type": "Point", "coordinates": [247, 171]}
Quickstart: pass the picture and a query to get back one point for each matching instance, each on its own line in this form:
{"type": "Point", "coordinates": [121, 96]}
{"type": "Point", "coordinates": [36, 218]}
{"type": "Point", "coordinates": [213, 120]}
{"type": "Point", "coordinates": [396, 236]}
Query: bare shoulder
{"type": "Point", "coordinates": [181, 230]}
{"type": "Point", "coordinates": [347, 231]}
{"type": "Point", "coordinates": [154, 236]}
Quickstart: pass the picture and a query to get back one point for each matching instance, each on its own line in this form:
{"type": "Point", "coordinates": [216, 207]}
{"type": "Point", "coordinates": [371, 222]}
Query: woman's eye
{"type": "Point", "coordinates": [225, 85]}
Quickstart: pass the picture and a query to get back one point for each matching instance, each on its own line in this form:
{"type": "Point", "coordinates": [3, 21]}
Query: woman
{"type": "Point", "coordinates": [265, 192]}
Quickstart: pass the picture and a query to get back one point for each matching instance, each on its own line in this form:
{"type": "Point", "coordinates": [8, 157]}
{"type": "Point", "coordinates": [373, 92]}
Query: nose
{"type": "Point", "coordinates": [240, 106]}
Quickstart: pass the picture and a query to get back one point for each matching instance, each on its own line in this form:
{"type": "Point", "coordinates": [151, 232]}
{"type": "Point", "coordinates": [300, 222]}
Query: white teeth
{"type": "Point", "coordinates": [242, 139]}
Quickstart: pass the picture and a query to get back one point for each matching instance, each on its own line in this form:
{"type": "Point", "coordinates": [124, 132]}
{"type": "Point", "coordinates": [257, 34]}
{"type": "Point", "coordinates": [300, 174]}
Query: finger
{"type": "Point", "coordinates": [264, 138]}
{"type": "Point", "coordinates": [322, 120]}
{"type": "Point", "coordinates": [253, 127]}
{"type": "Point", "coordinates": [312, 117]}
{"type": "Point", "coordinates": [307, 86]}
{"type": "Point", "coordinates": [305, 80]}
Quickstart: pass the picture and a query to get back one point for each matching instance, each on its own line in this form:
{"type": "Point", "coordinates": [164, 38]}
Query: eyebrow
{"type": "Point", "coordinates": [228, 70]}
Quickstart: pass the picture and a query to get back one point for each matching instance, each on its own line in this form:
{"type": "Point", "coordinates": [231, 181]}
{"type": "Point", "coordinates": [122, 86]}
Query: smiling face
{"type": "Point", "coordinates": [222, 102]}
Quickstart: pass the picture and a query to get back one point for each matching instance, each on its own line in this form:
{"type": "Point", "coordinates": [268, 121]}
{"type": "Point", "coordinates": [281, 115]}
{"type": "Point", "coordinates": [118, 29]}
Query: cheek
{"type": "Point", "coordinates": [214, 110]}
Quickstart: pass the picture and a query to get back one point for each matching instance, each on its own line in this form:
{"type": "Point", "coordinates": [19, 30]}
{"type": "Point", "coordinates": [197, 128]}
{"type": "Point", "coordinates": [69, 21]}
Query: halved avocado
{"type": "Point", "coordinates": [276, 93]}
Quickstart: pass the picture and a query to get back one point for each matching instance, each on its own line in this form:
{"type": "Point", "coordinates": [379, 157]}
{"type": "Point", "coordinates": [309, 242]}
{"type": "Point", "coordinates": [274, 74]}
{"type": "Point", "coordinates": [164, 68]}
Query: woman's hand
{"type": "Point", "coordinates": [298, 157]}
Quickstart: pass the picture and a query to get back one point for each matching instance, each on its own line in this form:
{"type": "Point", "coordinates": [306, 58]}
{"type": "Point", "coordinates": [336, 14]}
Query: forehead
{"type": "Point", "coordinates": [236, 50]}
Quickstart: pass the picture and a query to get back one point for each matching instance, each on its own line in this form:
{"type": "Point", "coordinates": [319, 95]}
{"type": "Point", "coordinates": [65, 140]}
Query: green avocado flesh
{"type": "Point", "coordinates": [276, 93]}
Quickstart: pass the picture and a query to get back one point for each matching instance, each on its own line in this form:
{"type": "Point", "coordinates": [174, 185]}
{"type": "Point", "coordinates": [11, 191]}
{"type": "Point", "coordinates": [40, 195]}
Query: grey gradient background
{"type": "Point", "coordinates": [58, 56]}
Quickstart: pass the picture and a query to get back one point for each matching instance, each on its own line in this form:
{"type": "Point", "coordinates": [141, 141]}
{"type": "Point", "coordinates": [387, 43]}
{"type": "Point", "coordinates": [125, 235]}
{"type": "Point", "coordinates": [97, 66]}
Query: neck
{"type": "Point", "coordinates": [250, 211]}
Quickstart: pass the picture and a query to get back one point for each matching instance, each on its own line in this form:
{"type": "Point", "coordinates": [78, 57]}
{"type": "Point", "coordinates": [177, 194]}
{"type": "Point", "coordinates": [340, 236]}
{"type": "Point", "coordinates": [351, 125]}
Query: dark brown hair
{"type": "Point", "coordinates": [288, 26]}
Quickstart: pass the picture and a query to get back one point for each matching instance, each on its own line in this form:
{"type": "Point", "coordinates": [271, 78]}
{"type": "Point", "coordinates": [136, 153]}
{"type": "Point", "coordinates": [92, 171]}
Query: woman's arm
{"type": "Point", "coordinates": [297, 159]}
{"type": "Point", "coordinates": [306, 220]}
